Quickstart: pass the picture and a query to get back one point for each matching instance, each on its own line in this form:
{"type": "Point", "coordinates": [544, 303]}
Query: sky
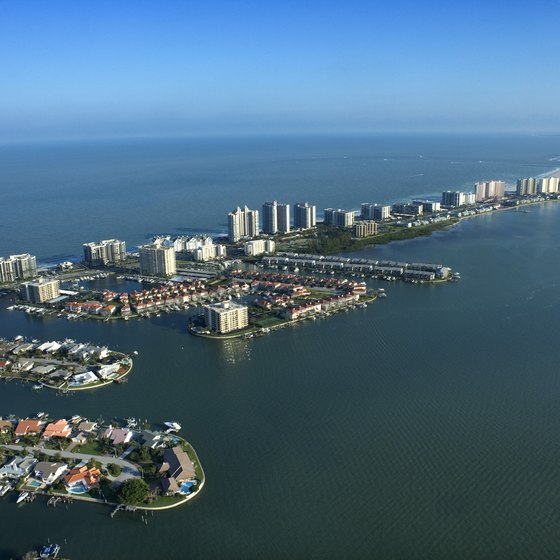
{"type": "Point", "coordinates": [79, 69]}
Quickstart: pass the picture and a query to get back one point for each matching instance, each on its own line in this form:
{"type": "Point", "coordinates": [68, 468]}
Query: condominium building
{"type": "Point", "coordinates": [375, 211]}
{"type": "Point", "coordinates": [413, 209]}
{"type": "Point", "coordinates": [259, 246]}
{"type": "Point", "coordinates": [18, 267]}
{"type": "Point", "coordinates": [548, 185]}
{"type": "Point", "coordinates": [453, 198]}
{"type": "Point", "coordinates": [305, 215]}
{"type": "Point", "coordinates": [209, 252]}
{"type": "Point", "coordinates": [226, 316]}
{"type": "Point", "coordinates": [157, 260]}
{"type": "Point", "coordinates": [108, 251]}
{"type": "Point", "coordinates": [489, 189]}
{"type": "Point", "coordinates": [428, 206]}
{"type": "Point", "coordinates": [40, 291]}
{"type": "Point", "coordinates": [526, 186]}
{"type": "Point", "coordinates": [338, 218]}
{"type": "Point", "coordinates": [276, 217]}
{"type": "Point", "coordinates": [469, 198]}
{"type": "Point", "coordinates": [365, 228]}
{"type": "Point", "coordinates": [243, 223]}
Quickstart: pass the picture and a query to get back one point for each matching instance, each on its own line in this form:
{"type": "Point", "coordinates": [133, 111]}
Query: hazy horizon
{"type": "Point", "coordinates": [143, 68]}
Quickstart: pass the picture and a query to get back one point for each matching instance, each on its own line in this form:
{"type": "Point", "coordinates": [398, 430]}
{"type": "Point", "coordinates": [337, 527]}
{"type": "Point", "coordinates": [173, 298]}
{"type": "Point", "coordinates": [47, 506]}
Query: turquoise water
{"type": "Point", "coordinates": [424, 426]}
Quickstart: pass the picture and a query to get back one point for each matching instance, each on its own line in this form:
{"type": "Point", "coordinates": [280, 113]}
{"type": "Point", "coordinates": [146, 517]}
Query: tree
{"type": "Point", "coordinates": [133, 491]}
{"type": "Point", "coordinates": [114, 469]}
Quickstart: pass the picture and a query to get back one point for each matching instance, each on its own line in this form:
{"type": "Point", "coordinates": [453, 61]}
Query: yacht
{"type": "Point", "coordinates": [173, 426]}
{"type": "Point", "coordinates": [22, 497]}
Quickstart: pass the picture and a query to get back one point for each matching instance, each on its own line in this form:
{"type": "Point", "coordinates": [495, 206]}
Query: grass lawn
{"type": "Point", "coordinates": [89, 448]}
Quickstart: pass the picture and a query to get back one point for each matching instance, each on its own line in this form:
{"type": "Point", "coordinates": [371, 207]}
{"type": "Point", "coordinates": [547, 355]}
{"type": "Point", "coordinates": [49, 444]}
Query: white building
{"type": "Point", "coordinates": [226, 317]}
{"type": "Point", "coordinates": [259, 246]}
{"type": "Point", "coordinates": [18, 267]}
{"type": "Point", "coordinates": [209, 252]}
{"type": "Point", "coordinates": [338, 217]}
{"type": "Point", "coordinates": [489, 189]}
{"type": "Point", "coordinates": [375, 211]}
{"type": "Point", "coordinates": [243, 223]}
{"type": "Point", "coordinates": [108, 251]}
{"type": "Point", "coordinates": [548, 185]}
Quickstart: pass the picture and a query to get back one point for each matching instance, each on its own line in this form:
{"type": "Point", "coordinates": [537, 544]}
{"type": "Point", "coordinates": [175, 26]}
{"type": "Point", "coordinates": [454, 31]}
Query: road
{"type": "Point", "coordinates": [128, 469]}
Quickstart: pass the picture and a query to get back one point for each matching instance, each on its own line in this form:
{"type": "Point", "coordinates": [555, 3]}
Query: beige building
{"type": "Point", "coordinates": [489, 189]}
{"type": "Point", "coordinates": [41, 291]}
{"type": "Point", "coordinates": [226, 317]}
{"type": "Point", "coordinates": [243, 223]}
{"type": "Point", "coordinates": [209, 252]}
{"type": "Point", "coordinates": [158, 260]}
{"type": "Point", "coordinates": [365, 228]}
{"type": "Point", "coordinates": [105, 252]}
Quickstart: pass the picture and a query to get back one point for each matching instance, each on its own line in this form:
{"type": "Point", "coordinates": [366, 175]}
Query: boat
{"type": "Point", "coordinates": [131, 422]}
{"type": "Point", "coordinates": [40, 415]}
{"type": "Point", "coordinates": [135, 352]}
{"type": "Point", "coordinates": [37, 387]}
{"type": "Point", "coordinates": [4, 489]}
{"type": "Point", "coordinates": [22, 497]}
{"type": "Point", "coordinates": [49, 551]}
{"type": "Point", "coordinates": [173, 426]}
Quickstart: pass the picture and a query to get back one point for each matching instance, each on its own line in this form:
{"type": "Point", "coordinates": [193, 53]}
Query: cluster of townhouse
{"type": "Point", "coordinates": [68, 363]}
{"type": "Point", "coordinates": [175, 472]}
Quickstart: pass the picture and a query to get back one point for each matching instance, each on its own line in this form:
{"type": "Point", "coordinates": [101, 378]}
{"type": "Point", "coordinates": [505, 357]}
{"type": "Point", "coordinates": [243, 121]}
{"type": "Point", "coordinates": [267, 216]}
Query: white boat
{"type": "Point", "coordinates": [40, 415]}
{"type": "Point", "coordinates": [173, 426]}
{"type": "Point", "coordinates": [4, 489]}
{"type": "Point", "coordinates": [135, 352]}
{"type": "Point", "coordinates": [22, 497]}
{"type": "Point", "coordinates": [131, 422]}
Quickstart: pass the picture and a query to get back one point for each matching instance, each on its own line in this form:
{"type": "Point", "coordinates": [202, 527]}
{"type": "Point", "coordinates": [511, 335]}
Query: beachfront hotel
{"type": "Point", "coordinates": [226, 317]}
{"type": "Point", "coordinates": [17, 267]}
{"type": "Point", "coordinates": [41, 291]}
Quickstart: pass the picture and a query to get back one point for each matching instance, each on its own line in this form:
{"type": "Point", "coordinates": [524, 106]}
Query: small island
{"type": "Point", "coordinates": [126, 465]}
{"type": "Point", "coordinates": [65, 366]}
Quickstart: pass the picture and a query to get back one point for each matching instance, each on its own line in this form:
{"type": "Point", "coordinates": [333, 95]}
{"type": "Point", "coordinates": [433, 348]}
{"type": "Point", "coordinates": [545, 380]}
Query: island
{"type": "Point", "coordinates": [126, 465]}
{"type": "Point", "coordinates": [64, 366]}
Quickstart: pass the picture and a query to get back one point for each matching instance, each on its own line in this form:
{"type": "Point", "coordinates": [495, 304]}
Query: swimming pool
{"type": "Point", "coordinates": [186, 487]}
{"type": "Point", "coordinates": [34, 483]}
{"type": "Point", "coordinates": [78, 489]}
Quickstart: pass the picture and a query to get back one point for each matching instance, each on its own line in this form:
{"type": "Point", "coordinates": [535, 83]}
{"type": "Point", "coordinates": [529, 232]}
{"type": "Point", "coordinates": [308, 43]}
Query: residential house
{"type": "Point", "coordinates": [118, 436]}
{"type": "Point", "coordinates": [49, 472]}
{"type": "Point", "coordinates": [17, 467]}
{"type": "Point", "coordinates": [88, 477]}
{"type": "Point", "coordinates": [25, 427]}
{"type": "Point", "coordinates": [60, 428]}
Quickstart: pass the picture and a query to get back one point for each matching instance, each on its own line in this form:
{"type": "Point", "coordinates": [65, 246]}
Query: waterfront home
{"type": "Point", "coordinates": [17, 467]}
{"type": "Point", "coordinates": [87, 427]}
{"type": "Point", "coordinates": [84, 378]}
{"type": "Point", "coordinates": [87, 477]}
{"type": "Point", "coordinates": [25, 427]}
{"type": "Point", "coordinates": [4, 363]}
{"type": "Point", "coordinates": [49, 472]}
{"type": "Point", "coordinates": [60, 428]}
{"type": "Point", "coordinates": [150, 439]}
{"type": "Point", "coordinates": [118, 436]}
{"type": "Point", "coordinates": [80, 438]}
{"type": "Point", "coordinates": [176, 464]}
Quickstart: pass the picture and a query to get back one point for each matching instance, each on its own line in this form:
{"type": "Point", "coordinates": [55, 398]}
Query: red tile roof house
{"type": "Point", "coordinates": [88, 477]}
{"type": "Point", "coordinates": [60, 428]}
{"type": "Point", "coordinates": [25, 427]}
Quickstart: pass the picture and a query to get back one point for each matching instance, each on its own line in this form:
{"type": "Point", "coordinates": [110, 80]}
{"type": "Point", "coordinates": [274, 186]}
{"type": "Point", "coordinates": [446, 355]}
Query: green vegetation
{"type": "Point", "coordinates": [133, 491]}
{"type": "Point", "coordinates": [114, 469]}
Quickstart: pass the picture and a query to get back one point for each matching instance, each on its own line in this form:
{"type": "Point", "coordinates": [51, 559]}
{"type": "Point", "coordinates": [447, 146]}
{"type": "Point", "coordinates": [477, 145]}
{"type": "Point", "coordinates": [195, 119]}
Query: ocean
{"type": "Point", "coordinates": [424, 426]}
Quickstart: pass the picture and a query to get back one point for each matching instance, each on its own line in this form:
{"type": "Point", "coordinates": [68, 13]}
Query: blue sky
{"type": "Point", "coordinates": [80, 69]}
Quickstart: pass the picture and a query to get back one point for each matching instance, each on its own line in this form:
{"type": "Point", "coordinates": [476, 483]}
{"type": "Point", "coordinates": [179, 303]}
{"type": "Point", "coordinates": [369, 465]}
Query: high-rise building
{"type": "Point", "coordinates": [41, 291]}
{"type": "Point", "coordinates": [305, 215]}
{"type": "Point", "coordinates": [243, 223]}
{"type": "Point", "coordinates": [18, 267]}
{"type": "Point", "coordinates": [452, 198]}
{"type": "Point", "coordinates": [157, 260]}
{"type": "Point", "coordinates": [226, 316]}
{"type": "Point", "coordinates": [108, 251]}
{"type": "Point", "coordinates": [428, 206]}
{"type": "Point", "coordinates": [375, 211]}
{"type": "Point", "coordinates": [548, 185]}
{"type": "Point", "coordinates": [338, 218]}
{"type": "Point", "coordinates": [526, 186]}
{"type": "Point", "coordinates": [283, 214]}
{"type": "Point", "coordinates": [270, 217]}
{"type": "Point", "coordinates": [484, 190]}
